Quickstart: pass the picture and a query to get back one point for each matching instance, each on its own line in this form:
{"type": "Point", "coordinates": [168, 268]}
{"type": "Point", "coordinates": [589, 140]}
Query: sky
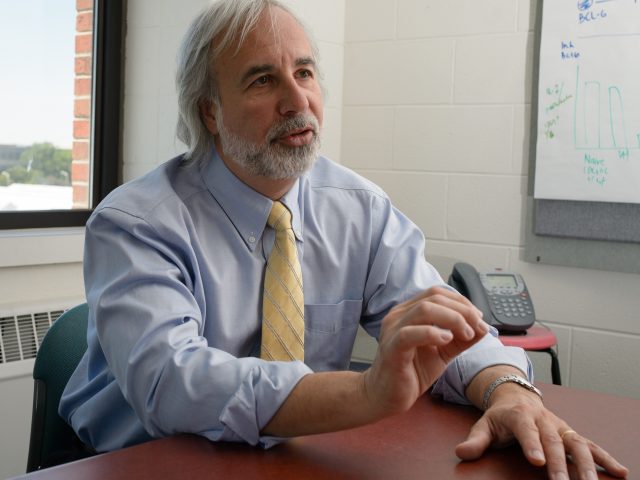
{"type": "Point", "coordinates": [37, 45]}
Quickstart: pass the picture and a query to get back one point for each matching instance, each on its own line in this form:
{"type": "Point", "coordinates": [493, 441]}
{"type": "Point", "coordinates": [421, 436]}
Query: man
{"type": "Point", "coordinates": [180, 331]}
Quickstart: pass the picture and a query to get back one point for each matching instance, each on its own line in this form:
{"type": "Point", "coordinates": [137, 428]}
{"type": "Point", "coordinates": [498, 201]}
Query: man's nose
{"type": "Point", "coordinates": [294, 98]}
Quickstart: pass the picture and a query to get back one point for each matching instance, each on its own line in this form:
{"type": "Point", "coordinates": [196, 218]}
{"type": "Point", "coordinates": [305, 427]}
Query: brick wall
{"type": "Point", "coordinates": [81, 153]}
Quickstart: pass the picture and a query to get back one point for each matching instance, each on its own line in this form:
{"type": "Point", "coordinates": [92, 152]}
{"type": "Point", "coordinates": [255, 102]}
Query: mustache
{"type": "Point", "coordinates": [299, 122]}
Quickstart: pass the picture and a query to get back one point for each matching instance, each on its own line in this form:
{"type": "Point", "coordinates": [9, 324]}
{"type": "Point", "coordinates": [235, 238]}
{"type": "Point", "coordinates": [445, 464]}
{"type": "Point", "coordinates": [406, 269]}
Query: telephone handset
{"type": "Point", "coordinates": [502, 297]}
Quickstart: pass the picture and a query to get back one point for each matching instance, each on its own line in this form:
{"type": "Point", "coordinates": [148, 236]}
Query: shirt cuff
{"type": "Point", "coordinates": [486, 353]}
{"type": "Point", "coordinates": [257, 400]}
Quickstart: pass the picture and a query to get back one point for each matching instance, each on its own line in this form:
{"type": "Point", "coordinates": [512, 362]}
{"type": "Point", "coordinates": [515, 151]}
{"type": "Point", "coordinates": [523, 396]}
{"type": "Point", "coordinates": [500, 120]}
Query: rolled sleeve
{"type": "Point", "coordinates": [486, 353]}
{"type": "Point", "coordinates": [244, 416]}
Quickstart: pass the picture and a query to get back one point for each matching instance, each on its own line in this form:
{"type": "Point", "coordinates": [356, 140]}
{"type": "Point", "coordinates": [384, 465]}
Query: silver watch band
{"type": "Point", "coordinates": [504, 379]}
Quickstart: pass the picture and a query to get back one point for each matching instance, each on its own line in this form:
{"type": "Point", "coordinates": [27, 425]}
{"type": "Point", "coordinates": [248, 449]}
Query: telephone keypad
{"type": "Point", "coordinates": [511, 306]}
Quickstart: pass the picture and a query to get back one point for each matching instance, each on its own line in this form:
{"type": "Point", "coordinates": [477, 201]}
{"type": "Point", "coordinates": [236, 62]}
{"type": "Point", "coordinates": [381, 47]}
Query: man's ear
{"type": "Point", "coordinates": [207, 112]}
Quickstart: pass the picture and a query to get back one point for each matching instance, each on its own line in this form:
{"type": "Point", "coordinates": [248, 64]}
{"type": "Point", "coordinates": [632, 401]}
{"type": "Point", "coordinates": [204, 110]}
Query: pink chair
{"type": "Point", "coordinates": [537, 339]}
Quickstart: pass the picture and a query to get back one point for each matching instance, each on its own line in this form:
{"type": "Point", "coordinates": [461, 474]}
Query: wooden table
{"type": "Point", "coordinates": [416, 445]}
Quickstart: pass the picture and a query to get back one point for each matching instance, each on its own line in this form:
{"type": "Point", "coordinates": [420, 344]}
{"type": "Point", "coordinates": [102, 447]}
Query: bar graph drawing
{"type": "Point", "coordinates": [588, 143]}
{"type": "Point", "coordinates": [599, 121]}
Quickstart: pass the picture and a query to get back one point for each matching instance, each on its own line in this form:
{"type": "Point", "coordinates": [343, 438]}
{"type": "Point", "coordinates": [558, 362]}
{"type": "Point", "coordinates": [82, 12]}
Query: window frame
{"type": "Point", "coordinates": [106, 121]}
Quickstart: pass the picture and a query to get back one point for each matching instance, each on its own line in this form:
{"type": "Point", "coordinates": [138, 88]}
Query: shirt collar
{"type": "Point", "coordinates": [247, 209]}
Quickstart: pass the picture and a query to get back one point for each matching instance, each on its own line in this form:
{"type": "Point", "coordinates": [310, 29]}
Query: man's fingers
{"type": "Point", "coordinates": [478, 440]}
{"type": "Point", "coordinates": [482, 435]}
{"type": "Point", "coordinates": [442, 308]}
{"type": "Point", "coordinates": [434, 293]}
{"type": "Point", "coordinates": [448, 314]}
{"type": "Point", "coordinates": [544, 438]}
{"type": "Point", "coordinates": [517, 424]}
{"type": "Point", "coordinates": [585, 455]}
{"type": "Point", "coordinates": [606, 461]}
{"type": "Point", "coordinates": [544, 444]}
{"type": "Point", "coordinates": [578, 448]}
{"type": "Point", "coordinates": [415, 336]}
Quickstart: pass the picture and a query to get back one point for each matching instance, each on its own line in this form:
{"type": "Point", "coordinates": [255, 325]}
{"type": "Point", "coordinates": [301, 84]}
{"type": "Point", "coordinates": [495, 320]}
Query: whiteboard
{"type": "Point", "coordinates": [588, 142]}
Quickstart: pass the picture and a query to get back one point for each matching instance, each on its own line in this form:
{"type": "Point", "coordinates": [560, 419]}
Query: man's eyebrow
{"type": "Point", "coordinates": [256, 70]}
{"type": "Point", "coordinates": [302, 61]}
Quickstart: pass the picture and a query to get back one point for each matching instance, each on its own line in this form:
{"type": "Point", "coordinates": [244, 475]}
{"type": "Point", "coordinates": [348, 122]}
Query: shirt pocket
{"type": "Point", "coordinates": [330, 330]}
{"type": "Point", "coordinates": [331, 318]}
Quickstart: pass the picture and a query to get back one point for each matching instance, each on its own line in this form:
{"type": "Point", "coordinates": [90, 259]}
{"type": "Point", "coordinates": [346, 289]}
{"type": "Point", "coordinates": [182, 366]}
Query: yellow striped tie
{"type": "Point", "coordinates": [283, 301]}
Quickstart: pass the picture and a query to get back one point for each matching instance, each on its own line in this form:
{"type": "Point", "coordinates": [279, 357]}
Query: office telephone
{"type": "Point", "coordinates": [502, 297]}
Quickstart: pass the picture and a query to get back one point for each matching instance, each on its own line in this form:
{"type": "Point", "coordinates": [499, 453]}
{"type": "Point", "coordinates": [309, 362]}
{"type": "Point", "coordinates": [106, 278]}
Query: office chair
{"type": "Point", "coordinates": [53, 441]}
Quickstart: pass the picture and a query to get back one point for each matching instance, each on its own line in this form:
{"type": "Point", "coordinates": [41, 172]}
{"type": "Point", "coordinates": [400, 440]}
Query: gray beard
{"type": "Point", "coordinates": [271, 159]}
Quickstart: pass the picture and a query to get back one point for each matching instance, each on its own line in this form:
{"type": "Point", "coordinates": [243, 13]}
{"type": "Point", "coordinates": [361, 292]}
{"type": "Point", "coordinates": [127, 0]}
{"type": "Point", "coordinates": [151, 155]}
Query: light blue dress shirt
{"type": "Point", "coordinates": [174, 265]}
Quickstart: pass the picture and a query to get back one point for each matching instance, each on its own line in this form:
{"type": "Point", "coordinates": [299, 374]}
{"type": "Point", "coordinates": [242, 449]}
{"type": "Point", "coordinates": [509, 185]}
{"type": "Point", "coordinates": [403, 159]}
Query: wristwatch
{"type": "Point", "coordinates": [504, 379]}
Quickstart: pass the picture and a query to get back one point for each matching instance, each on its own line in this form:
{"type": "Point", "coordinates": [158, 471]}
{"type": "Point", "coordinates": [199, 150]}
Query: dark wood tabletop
{"type": "Point", "coordinates": [416, 445]}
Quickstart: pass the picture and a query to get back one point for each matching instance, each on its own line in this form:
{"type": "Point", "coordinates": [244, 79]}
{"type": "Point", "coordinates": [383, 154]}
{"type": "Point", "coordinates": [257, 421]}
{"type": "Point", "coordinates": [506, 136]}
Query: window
{"type": "Point", "coordinates": [60, 103]}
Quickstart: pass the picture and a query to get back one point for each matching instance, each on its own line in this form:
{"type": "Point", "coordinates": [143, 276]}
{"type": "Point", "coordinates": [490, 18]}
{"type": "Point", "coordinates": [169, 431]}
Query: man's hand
{"type": "Point", "coordinates": [517, 414]}
{"type": "Point", "coordinates": [417, 340]}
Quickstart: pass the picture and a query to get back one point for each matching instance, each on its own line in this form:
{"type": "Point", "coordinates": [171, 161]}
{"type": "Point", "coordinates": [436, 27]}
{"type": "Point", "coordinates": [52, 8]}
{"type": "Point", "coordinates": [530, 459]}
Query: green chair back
{"type": "Point", "coordinates": [52, 439]}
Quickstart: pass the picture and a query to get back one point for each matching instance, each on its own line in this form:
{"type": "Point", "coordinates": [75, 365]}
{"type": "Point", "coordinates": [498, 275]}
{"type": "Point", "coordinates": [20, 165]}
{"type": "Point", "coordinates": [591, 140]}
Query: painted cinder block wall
{"type": "Point", "coordinates": [436, 110]}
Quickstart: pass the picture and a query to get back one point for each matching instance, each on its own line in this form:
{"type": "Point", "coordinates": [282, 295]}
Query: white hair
{"type": "Point", "coordinates": [211, 33]}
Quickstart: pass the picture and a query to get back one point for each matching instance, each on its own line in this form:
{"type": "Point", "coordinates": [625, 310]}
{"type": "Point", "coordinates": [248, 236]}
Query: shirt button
{"type": "Point", "coordinates": [252, 239]}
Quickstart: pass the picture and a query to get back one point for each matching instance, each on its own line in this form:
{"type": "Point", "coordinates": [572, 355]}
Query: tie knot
{"type": "Point", "coordinates": [280, 217]}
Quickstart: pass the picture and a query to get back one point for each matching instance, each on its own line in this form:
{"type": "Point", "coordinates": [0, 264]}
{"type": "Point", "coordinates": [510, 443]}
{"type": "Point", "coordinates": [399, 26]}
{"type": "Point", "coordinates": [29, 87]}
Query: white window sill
{"type": "Point", "coordinates": [41, 246]}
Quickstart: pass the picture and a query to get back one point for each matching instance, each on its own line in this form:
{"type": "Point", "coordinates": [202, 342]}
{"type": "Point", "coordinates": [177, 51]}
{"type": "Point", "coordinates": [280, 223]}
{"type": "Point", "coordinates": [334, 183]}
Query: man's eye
{"type": "Point", "coordinates": [263, 80]}
{"type": "Point", "coordinates": [306, 74]}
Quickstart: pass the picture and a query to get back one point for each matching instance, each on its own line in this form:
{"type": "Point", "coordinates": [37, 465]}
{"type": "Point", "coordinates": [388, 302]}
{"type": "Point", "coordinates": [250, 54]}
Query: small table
{"type": "Point", "coordinates": [537, 339]}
